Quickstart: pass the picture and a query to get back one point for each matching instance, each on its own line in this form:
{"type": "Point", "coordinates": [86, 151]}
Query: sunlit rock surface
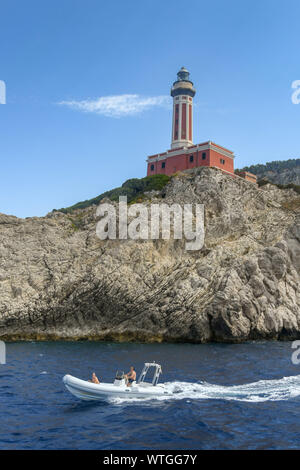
{"type": "Point", "coordinates": [59, 281]}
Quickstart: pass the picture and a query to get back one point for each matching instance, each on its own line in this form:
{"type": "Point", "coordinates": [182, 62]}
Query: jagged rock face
{"type": "Point", "coordinates": [59, 281]}
{"type": "Point", "coordinates": [286, 176]}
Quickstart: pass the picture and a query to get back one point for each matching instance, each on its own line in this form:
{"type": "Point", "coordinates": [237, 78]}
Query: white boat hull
{"type": "Point", "coordinates": [89, 391]}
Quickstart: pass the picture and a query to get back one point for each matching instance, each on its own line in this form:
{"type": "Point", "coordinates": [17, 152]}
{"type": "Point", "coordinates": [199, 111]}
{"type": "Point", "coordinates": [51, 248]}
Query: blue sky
{"type": "Point", "coordinates": [243, 57]}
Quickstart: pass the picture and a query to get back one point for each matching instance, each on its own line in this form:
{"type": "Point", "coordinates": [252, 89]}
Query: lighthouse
{"type": "Point", "coordinates": [183, 93]}
{"type": "Point", "coordinates": [184, 154]}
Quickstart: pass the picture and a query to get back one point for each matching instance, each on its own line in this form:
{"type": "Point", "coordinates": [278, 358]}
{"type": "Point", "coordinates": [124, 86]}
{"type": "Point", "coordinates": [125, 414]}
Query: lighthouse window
{"type": "Point", "coordinates": [191, 158]}
{"type": "Point", "coordinates": [152, 167]}
{"type": "Point", "coordinates": [203, 156]}
{"type": "Point", "coordinates": [163, 165]}
{"type": "Point", "coordinates": [222, 161]}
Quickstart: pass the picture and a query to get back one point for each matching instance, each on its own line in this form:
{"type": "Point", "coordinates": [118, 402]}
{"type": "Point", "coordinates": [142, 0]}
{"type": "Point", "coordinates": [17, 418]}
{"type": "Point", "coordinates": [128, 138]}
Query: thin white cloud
{"type": "Point", "coordinates": [119, 105]}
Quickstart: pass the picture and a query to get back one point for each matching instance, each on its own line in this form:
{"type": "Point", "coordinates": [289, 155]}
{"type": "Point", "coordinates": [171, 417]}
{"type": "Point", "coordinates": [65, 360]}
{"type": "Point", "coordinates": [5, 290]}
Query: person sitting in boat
{"type": "Point", "coordinates": [130, 376]}
{"type": "Point", "coordinates": [94, 379]}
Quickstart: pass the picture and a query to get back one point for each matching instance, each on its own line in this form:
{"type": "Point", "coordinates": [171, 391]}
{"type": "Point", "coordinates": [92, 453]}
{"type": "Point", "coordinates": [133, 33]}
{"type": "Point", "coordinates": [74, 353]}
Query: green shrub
{"type": "Point", "coordinates": [263, 182]}
{"type": "Point", "coordinates": [133, 188]}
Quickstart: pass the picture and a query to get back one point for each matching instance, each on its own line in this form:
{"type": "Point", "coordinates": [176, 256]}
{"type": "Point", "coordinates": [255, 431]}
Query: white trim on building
{"type": "Point", "coordinates": [188, 150]}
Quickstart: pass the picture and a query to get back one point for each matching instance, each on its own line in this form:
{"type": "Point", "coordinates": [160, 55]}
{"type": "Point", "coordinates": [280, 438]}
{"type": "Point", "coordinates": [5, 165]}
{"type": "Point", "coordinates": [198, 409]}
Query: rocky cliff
{"type": "Point", "coordinates": [278, 172]}
{"type": "Point", "coordinates": [58, 280]}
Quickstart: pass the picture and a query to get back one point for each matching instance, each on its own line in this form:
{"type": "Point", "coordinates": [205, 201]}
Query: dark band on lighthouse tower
{"type": "Point", "coordinates": [183, 93]}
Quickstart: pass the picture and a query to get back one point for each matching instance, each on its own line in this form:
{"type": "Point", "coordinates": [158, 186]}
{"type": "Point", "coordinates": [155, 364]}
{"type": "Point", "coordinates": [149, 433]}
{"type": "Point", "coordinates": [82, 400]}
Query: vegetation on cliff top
{"type": "Point", "coordinates": [133, 188]}
{"type": "Point", "coordinates": [275, 166]}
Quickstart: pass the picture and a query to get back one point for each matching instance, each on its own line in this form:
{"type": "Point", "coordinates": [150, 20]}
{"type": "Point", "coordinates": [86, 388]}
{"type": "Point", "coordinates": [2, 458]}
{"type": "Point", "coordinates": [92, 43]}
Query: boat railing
{"type": "Point", "coordinates": [156, 375]}
{"type": "Point", "coordinates": [119, 375]}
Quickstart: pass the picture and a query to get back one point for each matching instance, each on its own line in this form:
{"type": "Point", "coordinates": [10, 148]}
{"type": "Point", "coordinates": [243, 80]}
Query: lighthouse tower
{"type": "Point", "coordinates": [182, 92]}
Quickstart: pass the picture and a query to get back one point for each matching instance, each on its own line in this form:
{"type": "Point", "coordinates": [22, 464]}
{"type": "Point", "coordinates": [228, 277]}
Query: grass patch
{"type": "Point", "coordinates": [134, 189]}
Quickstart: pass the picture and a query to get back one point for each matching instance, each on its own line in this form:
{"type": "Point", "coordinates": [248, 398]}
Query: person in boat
{"type": "Point", "coordinates": [94, 379]}
{"type": "Point", "coordinates": [130, 376]}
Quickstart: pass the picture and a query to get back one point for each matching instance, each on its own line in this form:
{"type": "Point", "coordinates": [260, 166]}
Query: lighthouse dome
{"type": "Point", "coordinates": [183, 74]}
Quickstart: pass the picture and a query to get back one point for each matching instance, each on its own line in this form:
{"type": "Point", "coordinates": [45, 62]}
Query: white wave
{"type": "Point", "coordinates": [263, 390]}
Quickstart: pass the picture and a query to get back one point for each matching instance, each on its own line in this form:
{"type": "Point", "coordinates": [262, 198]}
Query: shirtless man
{"type": "Point", "coordinates": [94, 379]}
{"type": "Point", "coordinates": [131, 376]}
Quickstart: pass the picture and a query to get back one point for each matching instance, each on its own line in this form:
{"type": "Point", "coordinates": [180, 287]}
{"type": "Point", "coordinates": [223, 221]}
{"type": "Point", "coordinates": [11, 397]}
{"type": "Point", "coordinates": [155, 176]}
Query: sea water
{"type": "Point", "coordinates": [243, 396]}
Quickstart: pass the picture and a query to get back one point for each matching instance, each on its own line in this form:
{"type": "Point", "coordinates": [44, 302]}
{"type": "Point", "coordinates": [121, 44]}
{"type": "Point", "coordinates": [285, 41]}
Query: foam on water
{"type": "Point", "coordinates": [263, 390]}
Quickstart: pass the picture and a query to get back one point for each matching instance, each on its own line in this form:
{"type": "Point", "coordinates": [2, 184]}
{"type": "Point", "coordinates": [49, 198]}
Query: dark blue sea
{"type": "Point", "coordinates": [244, 396]}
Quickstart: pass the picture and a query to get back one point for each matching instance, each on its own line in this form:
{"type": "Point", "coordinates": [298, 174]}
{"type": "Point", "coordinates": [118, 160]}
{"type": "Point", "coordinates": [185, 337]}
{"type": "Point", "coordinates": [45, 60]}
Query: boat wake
{"type": "Point", "coordinates": [263, 390]}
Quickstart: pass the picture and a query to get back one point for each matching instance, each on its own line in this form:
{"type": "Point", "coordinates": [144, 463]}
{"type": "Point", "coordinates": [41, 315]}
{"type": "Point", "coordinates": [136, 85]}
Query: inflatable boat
{"type": "Point", "coordinates": [86, 390]}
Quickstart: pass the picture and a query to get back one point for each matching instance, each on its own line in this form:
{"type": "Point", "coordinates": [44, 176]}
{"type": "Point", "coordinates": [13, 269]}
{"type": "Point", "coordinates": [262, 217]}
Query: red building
{"type": "Point", "coordinates": [183, 154]}
{"type": "Point", "coordinates": [247, 176]}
